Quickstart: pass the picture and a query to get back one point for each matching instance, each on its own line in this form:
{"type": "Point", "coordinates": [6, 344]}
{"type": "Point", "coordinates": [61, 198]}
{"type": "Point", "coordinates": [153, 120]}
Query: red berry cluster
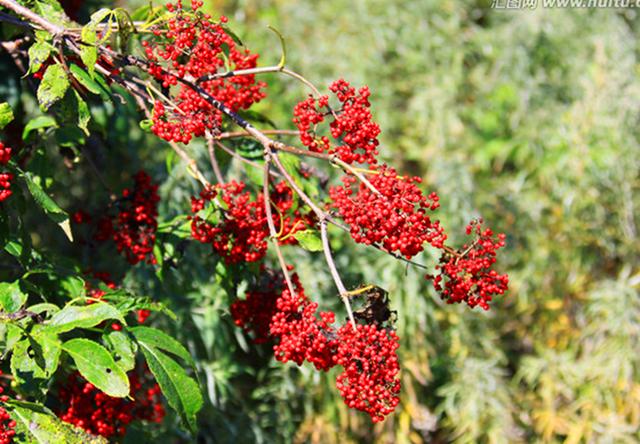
{"type": "Point", "coordinates": [192, 46]}
{"type": "Point", "coordinates": [253, 313]}
{"type": "Point", "coordinates": [466, 274]}
{"type": "Point", "coordinates": [368, 354]}
{"type": "Point", "coordinates": [84, 406]}
{"type": "Point", "coordinates": [301, 335]}
{"type": "Point", "coordinates": [370, 379]}
{"type": "Point", "coordinates": [395, 217]}
{"type": "Point", "coordinates": [241, 231]}
{"type": "Point", "coordinates": [352, 124]}
{"type": "Point", "coordinates": [7, 425]}
{"type": "Point", "coordinates": [5, 178]}
{"type": "Point", "coordinates": [133, 229]}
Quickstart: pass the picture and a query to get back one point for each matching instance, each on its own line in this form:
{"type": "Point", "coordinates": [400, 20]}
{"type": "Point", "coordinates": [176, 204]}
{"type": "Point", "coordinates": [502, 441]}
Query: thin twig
{"type": "Point", "coordinates": [276, 132]}
{"type": "Point", "coordinates": [273, 234]}
{"type": "Point", "coordinates": [212, 157]}
{"type": "Point", "coordinates": [344, 294]}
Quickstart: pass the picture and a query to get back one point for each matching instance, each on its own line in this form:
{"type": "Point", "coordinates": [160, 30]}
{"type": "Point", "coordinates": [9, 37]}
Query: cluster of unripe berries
{"type": "Point", "coordinates": [7, 425]}
{"type": "Point", "coordinates": [367, 353]}
{"type": "Point", "coordinates": [84, 406]}
{"type": "Point", "coordinates": [5, 177]}
{"type": "Point", "coordinates": [193, 47]}
{"type": "Point", "coordinates": [235, 225]}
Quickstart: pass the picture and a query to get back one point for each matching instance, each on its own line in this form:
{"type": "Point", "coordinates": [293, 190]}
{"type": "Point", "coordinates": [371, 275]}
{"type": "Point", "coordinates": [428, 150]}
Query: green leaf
{"type": "Point", "coordinates": [11, 296]}
{"type": "Point", "coordinates": [49, 206]}
{"type": "Point", "coordinates": [36, 424]}
{"type": "Point", "coordinates": [87, 316]}
{"type": "Point", "coordinates": [97, 366]}
{"type": "Point", "coordinates": [158, 339]}
{"type": "Point", "coordinates": [53, 86]}
{"type": "Point", "coordinates": [10, 334]}
{"type": "Point", "coordinates": [6, 114]}
{"type": "Point", "coordinates": [309, 240]}
{"type": "Point", "coordinates": [52, 10]}
{"type": "Point", "coordinates": [122, 348]}
{"type": "Point", "coordinates": [146, 125]}
{"type": "Point", "coordinates": [35, 359]}
{"type": "Point", "coordinates": [232, 34]}
{"type": "Point", "coordinates": [88, 49]}
{"type": "Point", "coordinates": [39, 122]}
{"type": "Point", "coordinates": [74, 286]}
{"type": "Point", "coordinates": [38, 54]}
{"type": "Point", "coordinates": [181, 391]}
{"type": "Point", "coordinates": [93, 85]}
{"type": "Point", "coordinates": [84, 115]}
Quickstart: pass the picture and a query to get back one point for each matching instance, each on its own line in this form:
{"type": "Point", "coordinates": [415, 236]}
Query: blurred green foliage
{"type": "Point", "coordinates": [526, 118]}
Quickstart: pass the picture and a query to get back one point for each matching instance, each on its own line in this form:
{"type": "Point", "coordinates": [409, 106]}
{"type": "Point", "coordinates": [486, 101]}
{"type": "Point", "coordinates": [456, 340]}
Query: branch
{"type": "Point", "coordinates": [212, 157]}
{"type": "Point", "coordinates": [32, 17]}
{"type": "Point", "coordinates": [273, 235]}
{"type": "Point", "coordinates": [344, 294]}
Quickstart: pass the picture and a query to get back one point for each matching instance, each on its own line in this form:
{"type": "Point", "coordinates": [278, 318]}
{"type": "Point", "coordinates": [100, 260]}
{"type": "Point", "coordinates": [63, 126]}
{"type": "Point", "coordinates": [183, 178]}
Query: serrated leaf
{"type": "Point", "coordinates": [87, 316]}
{"type": "Point", "coordinates": [35, 359]}
{"type": "Point", "coordinates": [97, 366]}
{"type": "Point", "coordinates": [39, 122]}
{"type": "Point", "coordinates": [11, 297]}
{"type": "Point", "coordinates": [158, 339]}
{"type": "Point", "coordinates": [6, 114]}
{"type": "Point", "coordinates": [182, 392]}
{"type": "Point", "coordinates": [309, 240]}
{"type": "Point", "coordinates": [36, 424]}
{"type": "Point", "coordinates": [122, 348]}
{"type": "Point", "coordinates": [53, 86]}
{"type": "Point", "coordinates": [38, 54]}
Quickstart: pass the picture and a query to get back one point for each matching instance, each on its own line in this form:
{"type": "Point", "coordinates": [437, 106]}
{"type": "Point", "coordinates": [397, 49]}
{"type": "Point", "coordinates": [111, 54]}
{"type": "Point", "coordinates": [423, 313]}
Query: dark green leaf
{"type": "Point", "coordinates": [158, 339]}
{"type": "Point", "coordinates": [181, 391]}
{"type": "Point", "coordinates": [39, 122]}
{"type": "Point", "coordinates": [49, 206]}
{"type": "Point", "coordinates": [97, 366]}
